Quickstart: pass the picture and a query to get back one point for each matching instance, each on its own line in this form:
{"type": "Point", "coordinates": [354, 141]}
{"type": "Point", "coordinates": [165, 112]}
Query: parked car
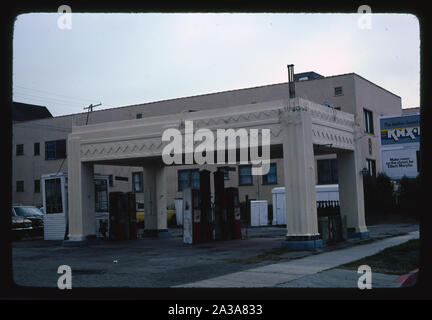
{"type": "Point", "coordinates": [171, 218]}
{"type": "Point", "coordinates": [21, 227]}
{"type": "Point", "coordinates": [32, 214]}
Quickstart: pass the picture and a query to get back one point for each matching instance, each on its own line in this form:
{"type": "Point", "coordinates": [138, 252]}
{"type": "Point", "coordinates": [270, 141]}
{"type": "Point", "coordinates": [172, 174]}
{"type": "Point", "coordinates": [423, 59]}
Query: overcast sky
{"type": "Point", "coordinates": [124, 59]}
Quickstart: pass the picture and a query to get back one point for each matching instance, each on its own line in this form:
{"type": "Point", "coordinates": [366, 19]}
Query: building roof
{"type": "Point", "coordinates": [310, 75]}
{"type": "Point", "coordinates": [407, 111]}
{"type": "Point", "coordinates": [24, 112]}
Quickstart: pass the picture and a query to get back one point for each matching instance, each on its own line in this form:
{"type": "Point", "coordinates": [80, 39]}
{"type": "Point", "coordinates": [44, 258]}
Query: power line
{"type": "Point", "coordinates": [43, 127]}
{"type": "Point", "coordinates": [56, 94]}
{"type": "Point", "coordinates": [47, 99]}
{"type": "Point", "coordinates": [43, 101]}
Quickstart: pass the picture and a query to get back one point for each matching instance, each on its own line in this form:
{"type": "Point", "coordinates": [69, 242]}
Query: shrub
{"type": "Point", "coordinates": [386, 203]}
{"type": "Point", "coordinates": [378, 195]}
{"type": "Point", "coordinates": [409, 196]}
{"type": "Point", "coordinates": [380, 198]}
{"type": "Point", "coordinates": [370, 195]}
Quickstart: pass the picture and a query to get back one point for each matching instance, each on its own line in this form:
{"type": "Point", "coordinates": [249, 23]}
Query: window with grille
{"type": "Point", "coordinates": [271, 176]}
{"type": "Point", "coordinates": [37, 186]}
{"type": "Point", "coordinates": [53, 196]}
{"type": "Point", "coordinates": [19, 149]}
{"type": "Point", "coordinates": [338, 91]}
{"type": "Point", "coordinates": [188, 178]}
{"type": "Point", "coordinates": [371, 167]}
{"type": "Point", "coordinates": [225, 171]}
{"type": "Point", "coordinates": [36, 148]}
{"type": "Point", "coordinates": [55, 149]}
{"type": "Point", "coordinates": [245, 175]}
{"type": "Point", "coordinates": [327, 171]}
{"type": "Point", "coordinates": [368, 119]}
{"type": "Point", "coordinates": [137, 181]}
{"type": "Point", "coordinates": [20, 186]}
{"type": "Point", "coordinates": [101, 195]}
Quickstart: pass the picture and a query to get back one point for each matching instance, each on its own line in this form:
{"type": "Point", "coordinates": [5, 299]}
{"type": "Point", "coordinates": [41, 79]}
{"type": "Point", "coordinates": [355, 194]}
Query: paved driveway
{"type": "Point", "coordinates": [157, 262]}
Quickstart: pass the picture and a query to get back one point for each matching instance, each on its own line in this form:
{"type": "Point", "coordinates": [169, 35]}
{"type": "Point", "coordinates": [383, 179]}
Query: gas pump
{"type": "Point", "coordinates": [200, 222]}
{"type": "Point", "coordinates": [191, 216]}
{"type": "Point", "coordinates": [197, 212]}
{"type": "Point", "coordinates": [122, 216]}
{"type": "Point", "coordinates": [233, 212]}
{"type": "Point", "coordinates": [206, 223]}
{"type": "Point", "coordinates": [220, 214]}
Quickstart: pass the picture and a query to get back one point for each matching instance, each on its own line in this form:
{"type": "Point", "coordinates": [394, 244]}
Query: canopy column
{"type": "Point", "coordinates": [155, 201]}
{"type": "Point", "coordinates": [301, 212]}
{"type": "Point", "coordinates": [81, 195]}
{"type": "Point", "coordinates": [351, 196]}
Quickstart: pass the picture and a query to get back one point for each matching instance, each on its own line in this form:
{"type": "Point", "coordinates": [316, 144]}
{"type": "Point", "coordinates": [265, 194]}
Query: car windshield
{"type": "Point", "coordinates": [27, 211]}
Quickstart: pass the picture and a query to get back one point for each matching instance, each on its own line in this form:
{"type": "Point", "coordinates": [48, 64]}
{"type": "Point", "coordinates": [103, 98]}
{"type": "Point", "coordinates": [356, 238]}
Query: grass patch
{"type": "Point", "coordinates": [398, 260]}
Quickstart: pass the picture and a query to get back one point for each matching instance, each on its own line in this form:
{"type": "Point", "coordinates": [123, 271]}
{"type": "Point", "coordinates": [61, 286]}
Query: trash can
{"type": "Point", "coordinates": [323, 229]}
{"type": "Point", "coordinates": [344, 227]}
{"type": "Point", "coordinates": [179, 210]}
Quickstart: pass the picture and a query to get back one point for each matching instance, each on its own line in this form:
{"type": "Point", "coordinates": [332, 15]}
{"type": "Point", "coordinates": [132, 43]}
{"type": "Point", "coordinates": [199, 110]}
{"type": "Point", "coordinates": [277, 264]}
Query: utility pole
{"type": "Point", "coordinates": [90, 109]}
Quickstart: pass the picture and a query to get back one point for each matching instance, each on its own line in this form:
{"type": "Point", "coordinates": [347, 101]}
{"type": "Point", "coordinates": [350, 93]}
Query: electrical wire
{"type": "Point", "coordinates": [55, 94]}
{"type": "Point", "coordinates": [42, 127]}
{"type": "Point", "coordinates": [56, 100]}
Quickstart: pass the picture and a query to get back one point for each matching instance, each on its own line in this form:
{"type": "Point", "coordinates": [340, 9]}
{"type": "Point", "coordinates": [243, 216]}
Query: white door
{"type": "Point", "coordinates": [55, 207]}
{"type": "Point", "coordinates": [263, 215]}
{"type": "Point", "coordinates": [255, 213]}
{"type": "Point", "coordinates": [280, 209]}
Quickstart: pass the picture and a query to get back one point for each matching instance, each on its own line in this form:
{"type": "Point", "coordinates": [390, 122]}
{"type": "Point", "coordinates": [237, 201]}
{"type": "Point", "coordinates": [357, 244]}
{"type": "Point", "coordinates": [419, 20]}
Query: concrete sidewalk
{"type": "Point", "coordinates": [306, 272]}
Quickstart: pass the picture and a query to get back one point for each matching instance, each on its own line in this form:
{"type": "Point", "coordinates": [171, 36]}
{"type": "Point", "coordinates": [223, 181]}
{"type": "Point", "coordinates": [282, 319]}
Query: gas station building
{"type": "Point", "coordinates": [332, 120]}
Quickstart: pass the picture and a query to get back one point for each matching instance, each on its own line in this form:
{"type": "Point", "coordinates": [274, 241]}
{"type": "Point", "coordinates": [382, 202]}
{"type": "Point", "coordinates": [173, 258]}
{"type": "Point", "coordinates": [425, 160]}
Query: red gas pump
{"type": "Point", "coordinates": [131, 199]}
{"type": "Point", "coordinates": [122, 216]}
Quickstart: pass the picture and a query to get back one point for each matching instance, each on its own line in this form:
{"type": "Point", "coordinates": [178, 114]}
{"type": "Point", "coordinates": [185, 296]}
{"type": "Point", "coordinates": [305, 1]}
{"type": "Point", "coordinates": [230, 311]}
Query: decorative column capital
{"type": "Point", "coordinates": [291, 114]}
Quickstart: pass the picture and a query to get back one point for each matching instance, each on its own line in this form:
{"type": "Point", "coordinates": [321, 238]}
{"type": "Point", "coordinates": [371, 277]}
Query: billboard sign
{"type": "Point", "coordinates": [399, 162]}
{"type": "Point", "coordinates": [400, 130]}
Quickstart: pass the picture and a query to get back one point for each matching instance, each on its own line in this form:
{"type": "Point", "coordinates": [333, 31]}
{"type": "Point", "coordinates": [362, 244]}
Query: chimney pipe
{"type": "Point", "coordinates": [291, 85]}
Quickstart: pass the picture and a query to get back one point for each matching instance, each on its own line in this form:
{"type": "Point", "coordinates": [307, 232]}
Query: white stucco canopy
{"type": "Point", "coordinates": [296, 124]}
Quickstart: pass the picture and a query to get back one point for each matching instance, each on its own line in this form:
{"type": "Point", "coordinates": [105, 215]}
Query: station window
{"type": "Point", "coordinates": [188, 178]}
{"type": "Point", "coordinates": [19, 149]}
{"type": "Point", "coordinates": [55, 149]}
{"type": "Point", "coordinates": [338, 91]}
{"type": "Point", "coordinates": [139, 116]}
{"type": "Point", "coordinates": [36, 148]}
{"type": "Point", "coordinates": [245, 175]}
{"type": "Point", "coordinates": [137, 181]}
{"type": "Point", "coordinates": [368, 119]}
{"type": "Point", "coordinates": [271, 176]}
{"type": "Point", "coordinates": [225, 171]}
{"type": "Point", "coordinates": [327, 171]}
{"type": "Point", "coordinates": [20, 186]}
{"type": "Point", "coordinates": [101, 195]}
{"type": "Point", "coordinates": [371, 167]}
{"type": "Point", "coordinates": [37, 186]}
{"type": "Point", "coordinates": [53, 196]}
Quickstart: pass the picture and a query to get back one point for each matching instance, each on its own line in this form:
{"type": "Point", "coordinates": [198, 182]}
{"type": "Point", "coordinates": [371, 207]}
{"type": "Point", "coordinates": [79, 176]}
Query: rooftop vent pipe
{"type": "Point", "coordinates": [291, 85]}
